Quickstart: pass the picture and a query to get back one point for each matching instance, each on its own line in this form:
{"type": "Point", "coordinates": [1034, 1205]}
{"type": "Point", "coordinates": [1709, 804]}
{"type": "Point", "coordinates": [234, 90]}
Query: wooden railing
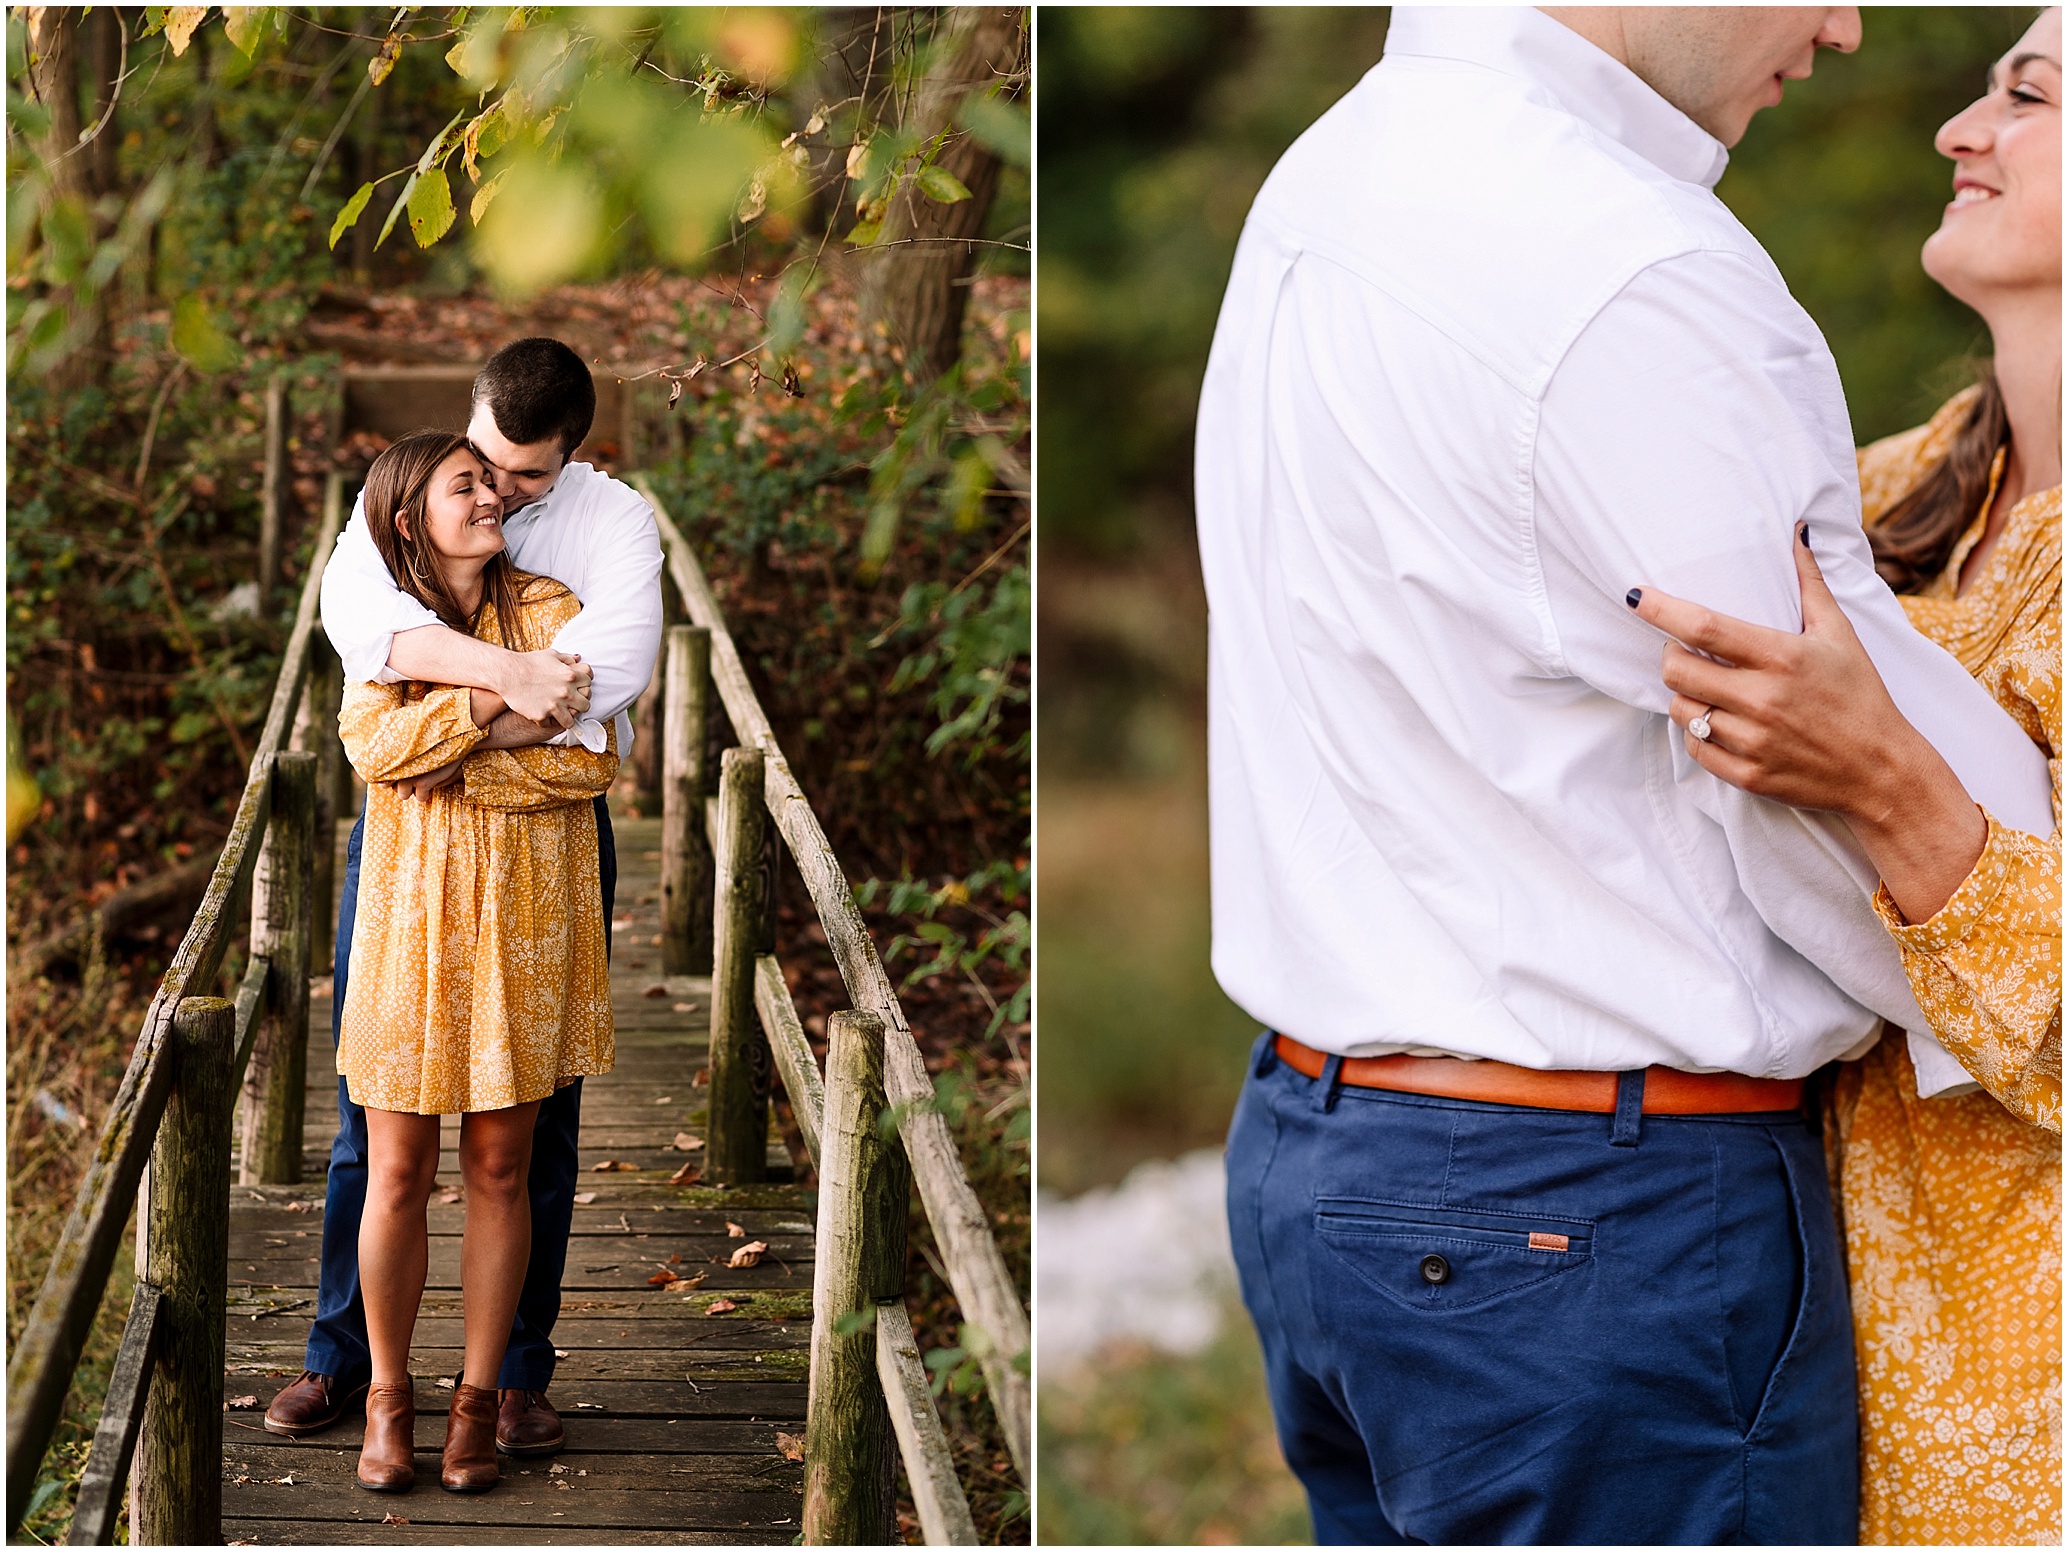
{"type": "Point", "coordinates": [867, 1382]}
{"type": "Point", "coordinates": [173, 1112]}
{"type": "Point", "coordinates": [161, 1422]}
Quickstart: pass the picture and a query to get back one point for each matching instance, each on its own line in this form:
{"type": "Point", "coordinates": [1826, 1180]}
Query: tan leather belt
{"type": "Point", "coordinates": [1667, 1091]}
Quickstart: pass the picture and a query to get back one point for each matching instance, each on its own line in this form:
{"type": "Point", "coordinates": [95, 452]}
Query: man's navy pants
{"type": "Point", "coordinates": [1492, 1324]}
{"type": "Point", "coordinates": [337, 1341]}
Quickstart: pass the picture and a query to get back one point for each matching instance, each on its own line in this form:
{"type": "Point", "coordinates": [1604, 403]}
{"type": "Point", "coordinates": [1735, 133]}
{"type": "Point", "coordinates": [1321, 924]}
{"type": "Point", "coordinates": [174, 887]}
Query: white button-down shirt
{"type": "Point", "coordinates": [1492, 354]}
{"type": "Point", "coordinates": [589, 531]}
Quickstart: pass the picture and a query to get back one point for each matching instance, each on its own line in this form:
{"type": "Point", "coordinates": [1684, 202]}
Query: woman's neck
{"type": "Point", "coordinates": [464, 578]}
{"type": "Point", "coordinates": [2027, 334]}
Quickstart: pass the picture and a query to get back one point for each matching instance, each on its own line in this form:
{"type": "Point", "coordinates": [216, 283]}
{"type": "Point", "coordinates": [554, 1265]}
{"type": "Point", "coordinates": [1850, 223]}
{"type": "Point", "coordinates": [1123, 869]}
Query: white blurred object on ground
{"type": "Point", "coordinates": [1147, 1260]}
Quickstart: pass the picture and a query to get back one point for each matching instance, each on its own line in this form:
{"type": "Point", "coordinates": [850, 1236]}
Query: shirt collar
{"type": "Point", "coordinates": [1589, 84]}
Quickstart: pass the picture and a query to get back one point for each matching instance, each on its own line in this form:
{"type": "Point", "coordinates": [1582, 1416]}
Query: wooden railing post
{"type": "Point", "coordinates": [179, 1471]}
{"type": "Point", "coordinates": [282, 923]}
{"type": "Point", "coordinates": [316, 730]}
{"type": "Point", "coordinates": [272, 494]}
{"type": "Point", "coordinates": [685, 852]}
{"type": "Point", "coordinates": [848, 1452]}
{"type": "Point", "coordinates": [738, 1143]}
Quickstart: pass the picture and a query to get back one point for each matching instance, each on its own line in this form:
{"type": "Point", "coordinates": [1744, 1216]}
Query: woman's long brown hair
{"type": "Point", "coordinates": [1915, 539]}
{"type": "Point", "coordinates": [400, 483]}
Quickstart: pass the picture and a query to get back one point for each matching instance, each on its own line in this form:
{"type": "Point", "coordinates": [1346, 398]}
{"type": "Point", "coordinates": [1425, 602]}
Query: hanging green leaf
{"type": "Point", "coordinates": [401, 204]}
{"type": "Point", "coordinates": [243, 24]}
{"type": "Point", "coordinates": [941, 186]}
{"type": "Point", "coordinates": [349, 216]}
{"type": "Point", "coordinates": [430, 208]}
{"type": "Point", "coordinates": [199, 339]}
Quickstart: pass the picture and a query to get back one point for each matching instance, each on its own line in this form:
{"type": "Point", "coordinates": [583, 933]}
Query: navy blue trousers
{"type": "Point", "coordinates": [1491, 1324]}
{"type": "Point", "coordinates": [337, 1340]}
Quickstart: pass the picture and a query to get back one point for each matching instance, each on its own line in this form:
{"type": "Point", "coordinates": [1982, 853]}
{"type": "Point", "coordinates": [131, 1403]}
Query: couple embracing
{"type": "Point", "coordinates": [1635, 813]}
{"type": "Point", "coordinates": [497, 607]}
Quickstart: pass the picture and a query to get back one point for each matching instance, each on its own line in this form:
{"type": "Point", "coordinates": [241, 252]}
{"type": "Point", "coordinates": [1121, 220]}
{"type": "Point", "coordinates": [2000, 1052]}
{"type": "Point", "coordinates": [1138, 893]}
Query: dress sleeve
{"type": "Point", "coordinates": [1987, 971]}
{"type": "Point", "coordinates": [543, 776]}
{"type": "Point", "coordinates": [388, 737]}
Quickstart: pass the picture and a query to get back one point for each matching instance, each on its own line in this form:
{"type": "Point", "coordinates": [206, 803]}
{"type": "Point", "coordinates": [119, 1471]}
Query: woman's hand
{"type": "Point", "coordinates": [1805, 720]}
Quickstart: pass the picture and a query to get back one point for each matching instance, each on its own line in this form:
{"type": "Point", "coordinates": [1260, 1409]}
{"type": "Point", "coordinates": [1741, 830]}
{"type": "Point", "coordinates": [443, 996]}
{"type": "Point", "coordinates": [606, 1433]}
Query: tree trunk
{"type": "Point", "coordinates": [104, 62]}
{"type": "Point", "coordinates": [54, 77]}
{"type": "Point", "coordinates": [918, 274]}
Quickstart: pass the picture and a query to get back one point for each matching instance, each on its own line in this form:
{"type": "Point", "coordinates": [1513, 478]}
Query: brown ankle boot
{"type": "Point", "coordinates": [387, 1461]}
{"type": "Point", "coordinates": [469, 1465]}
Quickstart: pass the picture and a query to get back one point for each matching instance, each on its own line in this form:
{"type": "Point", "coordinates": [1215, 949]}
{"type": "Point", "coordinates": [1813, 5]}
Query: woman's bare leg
{"type": "Point", "coordinates": [495, 1162]}
{"type": "Point", "coordinates": [394, 1244]}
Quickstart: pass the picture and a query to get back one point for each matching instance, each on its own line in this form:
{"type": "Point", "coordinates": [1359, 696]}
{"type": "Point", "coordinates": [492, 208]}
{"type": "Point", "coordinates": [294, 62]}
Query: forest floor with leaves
{"type": "Point", "coordinates": [133, 685]}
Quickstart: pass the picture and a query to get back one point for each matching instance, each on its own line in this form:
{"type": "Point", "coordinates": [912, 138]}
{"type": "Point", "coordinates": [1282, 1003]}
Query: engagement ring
{"type": "Point", "coordinates": [1700, 727]}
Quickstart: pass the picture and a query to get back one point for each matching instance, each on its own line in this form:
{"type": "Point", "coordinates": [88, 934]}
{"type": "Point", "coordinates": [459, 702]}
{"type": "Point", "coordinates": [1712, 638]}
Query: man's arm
{"type": "Point", "coordinates": [608, 549]}
{"type": "Point", "coordinates": [1693, 425]}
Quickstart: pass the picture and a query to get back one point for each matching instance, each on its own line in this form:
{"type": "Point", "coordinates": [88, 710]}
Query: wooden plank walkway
{"type": "Point", "coordinates": [672, 1411]}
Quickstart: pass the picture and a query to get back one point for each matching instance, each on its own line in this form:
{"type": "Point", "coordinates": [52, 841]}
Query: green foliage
{"type": "Point", "coordinates": [1001, 941]}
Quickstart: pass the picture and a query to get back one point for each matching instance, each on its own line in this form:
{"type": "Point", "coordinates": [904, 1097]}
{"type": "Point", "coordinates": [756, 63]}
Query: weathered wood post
{"type": "Point", "coordinates": [179, 1470]}
{"type": "Point", "coordinates": [738, 1143]}
{"type": "Point", "coordinates": [848, 1450]}
{"type": "Point", "coordinates": [315, 730]}
{"type": "Point", "coordinates": [282, 923]}
{"type": "Point", "coordinates": [685, 850]}
{"type": "Point", "coordinates": [272, 494]}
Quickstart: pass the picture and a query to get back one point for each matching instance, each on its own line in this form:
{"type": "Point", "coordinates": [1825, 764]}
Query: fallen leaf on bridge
{"type": "Point", "coordinates": [720, 1307]}
{"type": "Point", "coordinates": [394, 1519]}
{"type": "Point", "coordinates": [791, 1444]}
{"type": "Point", "coordinates": [662, 1278]}
{"type": "Point", "coordinates": [733, 1230]}
{"type": "Point", "coordinates": [691, 1282]}
{"type": "Point", "coordinates": [240, 1403]}
{"type": "Point", "coordinates": [688, 1175]}
{"type": "Point", "coordinates": [655, 991]}
{"type": "Point", "coordinates": [684, 1143]}
{"type": "Point", "coordinates": [585, 1197]}
{"type": "Point", "coordinates": [609, 1164]}
{"type": "Point", "coordinates": [749, 1254]}
{"type": "Point", "coordinates": [448, 1196]}
{"type": "Point", "coordinates": [685, 1007]}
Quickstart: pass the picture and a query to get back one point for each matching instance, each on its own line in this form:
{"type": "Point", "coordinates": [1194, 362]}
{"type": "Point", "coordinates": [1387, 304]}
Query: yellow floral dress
{"type": "Point", "coordinates": [1952, 1206]}
{"type": "Point", "coordinates": [479, 979]}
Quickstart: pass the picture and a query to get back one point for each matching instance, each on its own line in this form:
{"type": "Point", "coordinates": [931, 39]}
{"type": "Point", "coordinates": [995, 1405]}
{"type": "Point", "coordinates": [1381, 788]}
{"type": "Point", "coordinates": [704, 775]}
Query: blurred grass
{"type": "Point", "coordinates": [1151, 1449]}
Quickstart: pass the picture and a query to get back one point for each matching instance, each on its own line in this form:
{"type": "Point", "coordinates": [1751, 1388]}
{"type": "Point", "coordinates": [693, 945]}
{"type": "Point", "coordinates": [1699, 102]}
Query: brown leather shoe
{"type": "Point", "coordinates": [526, 1423]}
{"type": "Point", "coordinates": [310, 1405]}
{"type": "Point", "coordinates": [387, 1462]}
{"type": "Point", "coordinates": [469, 1465]}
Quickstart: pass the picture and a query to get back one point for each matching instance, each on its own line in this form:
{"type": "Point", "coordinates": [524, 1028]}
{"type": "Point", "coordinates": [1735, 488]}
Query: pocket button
{"type": "Point", "coordinates": [1435, 1270]}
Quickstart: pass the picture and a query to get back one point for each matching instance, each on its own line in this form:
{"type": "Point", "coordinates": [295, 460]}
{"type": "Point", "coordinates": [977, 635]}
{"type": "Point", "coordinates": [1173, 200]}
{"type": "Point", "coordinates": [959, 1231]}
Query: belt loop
{"type": "Point", "coordinates": [1329, 1085]}
{"type": "Point", "coordinates": [1264, 1057]}
{"type": "Point", "coordinates": [1629, 1109]}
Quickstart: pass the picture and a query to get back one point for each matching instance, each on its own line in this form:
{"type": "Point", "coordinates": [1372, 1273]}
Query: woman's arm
{"type": "Point", "coordinates": [1805, 720]}
{"type": "Point", "coordinates": [543, 776]}
{"type": "Point", "coordinates": [388, 738]}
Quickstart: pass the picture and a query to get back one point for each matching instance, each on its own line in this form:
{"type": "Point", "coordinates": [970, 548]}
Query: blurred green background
{"type": "Point", "coordinates": [1156, 126]}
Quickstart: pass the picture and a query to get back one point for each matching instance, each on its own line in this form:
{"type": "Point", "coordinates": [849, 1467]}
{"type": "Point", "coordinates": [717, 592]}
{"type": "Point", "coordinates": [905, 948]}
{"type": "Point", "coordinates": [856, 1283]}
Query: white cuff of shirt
{"type": "Point", "coordinates": [588, 732]}
{"type": "Point", "coordinates": [1939, 1073]}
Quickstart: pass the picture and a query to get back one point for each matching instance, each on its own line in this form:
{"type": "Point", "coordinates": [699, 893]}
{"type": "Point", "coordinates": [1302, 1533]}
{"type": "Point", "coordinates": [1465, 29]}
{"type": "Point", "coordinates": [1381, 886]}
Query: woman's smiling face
{"type": "Point", "coordinates": [2002, 232]}
{"type": "Point", "coordinates": [462, 514]}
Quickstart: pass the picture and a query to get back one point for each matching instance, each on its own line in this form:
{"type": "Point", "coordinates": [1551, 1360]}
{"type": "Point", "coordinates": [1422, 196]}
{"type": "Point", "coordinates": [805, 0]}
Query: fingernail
{"type": "Point", "coordinates": [1632, 597]}
{"type": "Point", "coordinates": [1804, 535]}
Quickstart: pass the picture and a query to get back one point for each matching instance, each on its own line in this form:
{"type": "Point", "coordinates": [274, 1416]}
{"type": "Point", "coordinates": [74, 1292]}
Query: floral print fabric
{"type": "Point", "coordinates": [479, 978]}
{"type": "Point", "coordinates": [1953, 1206]}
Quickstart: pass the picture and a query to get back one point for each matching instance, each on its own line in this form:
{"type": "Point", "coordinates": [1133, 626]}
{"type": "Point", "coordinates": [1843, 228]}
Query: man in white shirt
{"type": "Point", "coordinates": [533, 405]}
{"type": "Point", "coordinates": [1493, 354]}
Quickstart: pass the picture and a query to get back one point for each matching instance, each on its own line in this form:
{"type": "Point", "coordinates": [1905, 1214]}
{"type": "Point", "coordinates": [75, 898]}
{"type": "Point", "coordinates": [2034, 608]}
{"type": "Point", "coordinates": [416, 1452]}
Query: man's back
{"type": "Point", "coordinates": [1493, 353]}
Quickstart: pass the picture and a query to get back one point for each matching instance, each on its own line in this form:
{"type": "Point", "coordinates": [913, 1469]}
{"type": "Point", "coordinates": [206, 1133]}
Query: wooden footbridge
{"type": "Point", "coordinates": [711, 1393]}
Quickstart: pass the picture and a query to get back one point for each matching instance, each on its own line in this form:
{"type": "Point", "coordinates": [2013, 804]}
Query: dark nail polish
{"type": "Point", "coordinates": [1631, 598]}
{"type": "Point", "coordinates": [1804, 535]}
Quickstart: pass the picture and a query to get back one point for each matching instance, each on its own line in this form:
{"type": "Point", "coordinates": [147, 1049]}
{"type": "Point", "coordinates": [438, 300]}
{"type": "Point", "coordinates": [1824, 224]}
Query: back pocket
{"type": "Point", "coordinates": [1438, 1259]}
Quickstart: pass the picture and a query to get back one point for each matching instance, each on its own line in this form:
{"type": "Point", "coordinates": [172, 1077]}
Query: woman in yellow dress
{"type": "Point", "coordinates": [1952, 1205]}
{"type": "Point", "coordinates": [479, 981]}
